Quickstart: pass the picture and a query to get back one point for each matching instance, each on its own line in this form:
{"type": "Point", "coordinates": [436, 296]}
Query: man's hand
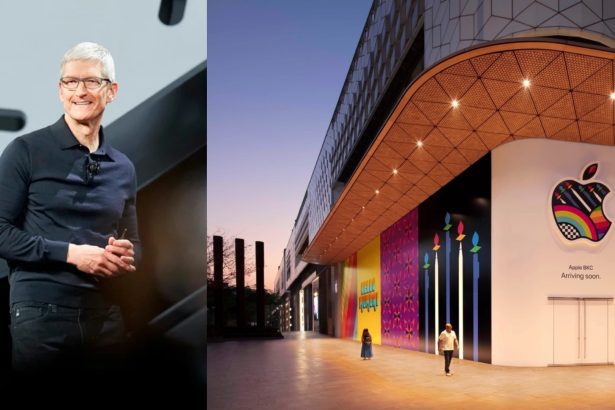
{"type": "Point", "coordinates": [103, 262]}
{"type": "Point", "coordinates": [122, 253]}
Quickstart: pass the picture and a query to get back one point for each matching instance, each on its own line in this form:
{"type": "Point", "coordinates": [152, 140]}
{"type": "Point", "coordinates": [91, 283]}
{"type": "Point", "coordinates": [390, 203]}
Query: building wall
{"type": "Point", "coordinates": [532, 260]}
{"type": "Point", "coordinates": [453, 25]}
{"type": "Point", "coordinates": [389, 31]}
{"type": "Point", "coordinates": [401, 264]}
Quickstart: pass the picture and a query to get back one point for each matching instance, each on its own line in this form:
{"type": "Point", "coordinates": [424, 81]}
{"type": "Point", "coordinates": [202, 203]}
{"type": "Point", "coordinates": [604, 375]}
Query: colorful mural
{"type": "Point", "coordinates": [399, 266]}
{"type": "Point", "coordinates": [348, 298]}
{"type": "Point", "coordinates": [368, 290]}
{"type": "Point", "coordinates": [405, 301]}
{"type": "Point", "coordinates": [455, 285]}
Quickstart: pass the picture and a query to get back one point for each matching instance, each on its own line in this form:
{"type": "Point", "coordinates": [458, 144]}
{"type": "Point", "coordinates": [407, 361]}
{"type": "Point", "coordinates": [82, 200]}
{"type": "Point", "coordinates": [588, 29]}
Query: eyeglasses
{"type": "Point", "coordinates": [91, 83]}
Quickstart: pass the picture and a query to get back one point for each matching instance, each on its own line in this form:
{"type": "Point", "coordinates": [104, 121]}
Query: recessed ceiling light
{"type": "Point", "coordinates": [395, 171]}
{"type": "Point", "coordinates": [377, 192]}
{"type": "Point", "coordinates": [526, 83]}
{"type": "Point", "coordinates": [455, 103]}
{"type": "Point", "coordinates": [419, 144]}
{"type": "Point", "coordinates": [612, 95]}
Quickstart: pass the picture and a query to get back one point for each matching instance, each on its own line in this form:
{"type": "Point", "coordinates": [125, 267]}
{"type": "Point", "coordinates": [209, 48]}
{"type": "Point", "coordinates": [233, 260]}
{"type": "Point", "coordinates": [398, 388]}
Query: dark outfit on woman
{"type": "Point", "coordinates": [366, 347]}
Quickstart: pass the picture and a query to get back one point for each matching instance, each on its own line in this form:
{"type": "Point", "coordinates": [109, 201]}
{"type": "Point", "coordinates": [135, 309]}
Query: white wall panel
{"type": "Point", "coordinates": [530, 254]}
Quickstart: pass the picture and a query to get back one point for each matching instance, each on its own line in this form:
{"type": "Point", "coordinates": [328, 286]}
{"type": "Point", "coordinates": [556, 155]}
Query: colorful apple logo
{"type": "Point", "coordinates": [577, 208]}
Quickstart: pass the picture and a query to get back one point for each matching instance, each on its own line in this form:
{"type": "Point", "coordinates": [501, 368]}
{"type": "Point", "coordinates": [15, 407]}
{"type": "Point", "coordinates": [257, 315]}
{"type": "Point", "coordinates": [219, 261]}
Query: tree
{"type": "Point", "coordinates": [229, 289]}
{"type": "Point", "coordinates": [228, 259]}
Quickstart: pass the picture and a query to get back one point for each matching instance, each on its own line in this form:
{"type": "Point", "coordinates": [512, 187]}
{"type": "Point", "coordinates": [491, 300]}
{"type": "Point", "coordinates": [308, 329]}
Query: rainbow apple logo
{"type": "Point", "coordinates": [577, 207]}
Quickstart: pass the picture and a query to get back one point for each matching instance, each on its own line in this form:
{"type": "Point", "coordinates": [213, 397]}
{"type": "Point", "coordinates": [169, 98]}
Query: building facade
{"type": "Point", "coordinates": [464, 178]}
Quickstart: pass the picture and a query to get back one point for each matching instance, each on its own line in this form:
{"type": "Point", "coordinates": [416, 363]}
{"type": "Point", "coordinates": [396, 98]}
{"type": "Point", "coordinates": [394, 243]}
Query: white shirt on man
{"type": "Point", "coordinates": [448, 340]}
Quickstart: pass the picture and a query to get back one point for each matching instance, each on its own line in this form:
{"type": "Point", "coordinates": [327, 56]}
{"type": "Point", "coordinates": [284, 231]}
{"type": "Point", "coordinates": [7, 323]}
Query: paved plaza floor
{"type": "Point", "coordinates": [309, 371]}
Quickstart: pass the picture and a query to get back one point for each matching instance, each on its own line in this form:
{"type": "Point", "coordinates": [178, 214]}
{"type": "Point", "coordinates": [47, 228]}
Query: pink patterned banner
{"type": "Point", "coordinates": [400, 283]}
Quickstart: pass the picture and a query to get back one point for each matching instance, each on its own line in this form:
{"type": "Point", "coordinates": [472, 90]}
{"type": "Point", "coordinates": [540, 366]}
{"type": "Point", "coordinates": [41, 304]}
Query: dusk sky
{"type": "Point", "coordinates": [275, 72]}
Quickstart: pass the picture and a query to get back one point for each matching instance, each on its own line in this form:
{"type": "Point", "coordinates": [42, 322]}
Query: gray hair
{"type": "Point", "coordinates": [91, 51]}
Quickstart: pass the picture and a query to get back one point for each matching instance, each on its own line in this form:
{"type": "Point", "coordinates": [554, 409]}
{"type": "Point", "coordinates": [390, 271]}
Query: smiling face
{"type": "Point", "coordinates": [82, 105]}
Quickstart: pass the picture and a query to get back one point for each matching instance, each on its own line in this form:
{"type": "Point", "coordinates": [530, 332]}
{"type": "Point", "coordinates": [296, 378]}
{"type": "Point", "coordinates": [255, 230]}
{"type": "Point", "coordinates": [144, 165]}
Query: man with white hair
{"type": "Point", "coordinates": [448, 344]}
{"type": "Point", "coordinates": [68, 223]}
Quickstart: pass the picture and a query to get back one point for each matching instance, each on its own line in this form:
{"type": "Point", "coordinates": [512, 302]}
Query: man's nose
{"type": "Point", "coordinates": [81, 89]}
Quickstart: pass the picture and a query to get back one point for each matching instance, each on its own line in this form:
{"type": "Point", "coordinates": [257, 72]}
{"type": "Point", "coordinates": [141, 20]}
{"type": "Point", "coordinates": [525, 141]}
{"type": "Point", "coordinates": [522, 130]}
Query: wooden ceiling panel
{"type": "Point", "coordinates": [568, 98]}
{"type": "Point", "coordinates": [554, 75]}
{"type": "Point", "coordinates": [568, 133]}
{"type": "Point", "coordinates": [532, 129]}
{"type": "Point", "coordinates": [462, 68]}
{"type": "Point", "coordinates": [454, 119]}
{"type": "Point", "coordinates": [475, 116]}
{"type": "Point", "coordinates": [492, 140]}
{"type": "Point", "coordinates": [601, 82]}
{"type": "Point", "coordinates": [500, 91]}
{"type": "Point", "coordinates": [585, 103]}
{"type": "Point", "coordinates": [515, 120]}
{"type": "Point", "coordinates": [520, 102]}
{"type": "Point", "coordinates": [455, 157]}
{"type": "Point", "coordinates": [455, 85]}
{"type": "Point", "coordinates": [505, 67]}
{"type": "Point", "coordinates": [605, 137]}
{"type": "Point", "coordinates": [398, 134]}
{"type": "Point", "coordinates": [472, 155]}
{"type": "Point", "coordinates": [544, 97]}
{"type": "Point", "coordinates": [416, 132]}
{"type": "Point", "coordinates": [375, 165]}
{"type": "Point", "coordinates": [602, 114]}
{"type": "Point", "coordinates": [431, 92]}
{"type": "Point", "coordinates": [403, 148]}
{"type": "Point", "coordinates": [473, 142]}
{"type": "Point", "coordinates": [554, 125]}
{"type": "Point", "coordinates": [482, 63]}
{"type": "Point", "coordinates": [563, 108]}
{"type": "Point", "coordinates": [410, 115]}
{"type": "Point", "coordinates": [437, 152]}
{"type": "Point", "coordinates": [534, 61]}
{"type": "Point", "coordinates": [581, 67]}
{"type": "Point", "coordinates": [400, 183]}
{"type": "Point", "coordinates": [495, 123]}
{"type": "Point", "coordinates": [433, 111]}
{"type": "Point", "coordinates": [390, 193]}
{"type": "Point", "coordinates": [410, 171]}
{"type": "Point", "coordinates": [427, 184]}
{"type": "Point", "coordinates": [589, 129]}
{"type": "Point", "coordinates": [477, 96]}
{"type": "Point", "coordinates": [437, 139]}
{"type": "Point", "coordinates": [454, 135]}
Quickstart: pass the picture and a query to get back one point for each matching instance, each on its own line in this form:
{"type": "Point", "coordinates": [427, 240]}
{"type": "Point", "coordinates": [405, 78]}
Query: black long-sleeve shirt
{"type": "Point", "coordinates": [53, 192]}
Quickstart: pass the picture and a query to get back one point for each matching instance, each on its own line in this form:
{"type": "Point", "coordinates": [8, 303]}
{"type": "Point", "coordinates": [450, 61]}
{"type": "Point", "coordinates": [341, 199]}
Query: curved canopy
{"type": "Point", "coordinates": [456, 112]}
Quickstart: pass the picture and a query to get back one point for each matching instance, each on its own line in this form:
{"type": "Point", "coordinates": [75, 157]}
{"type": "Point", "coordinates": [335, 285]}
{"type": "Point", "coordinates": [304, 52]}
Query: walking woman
{"type": "Point", "coordinates": [366, 345]}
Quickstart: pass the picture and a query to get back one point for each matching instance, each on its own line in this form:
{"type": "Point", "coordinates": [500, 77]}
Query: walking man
{"type": "Point", "coordinates": [448, 344]}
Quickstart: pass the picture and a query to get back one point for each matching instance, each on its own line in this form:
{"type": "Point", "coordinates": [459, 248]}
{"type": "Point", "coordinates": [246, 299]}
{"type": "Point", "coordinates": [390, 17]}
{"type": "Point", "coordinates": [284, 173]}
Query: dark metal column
{"type": "Point", "coordinates": [218, 283]}
{"type": "Point", "coordinates": [240, 281]}
{"type": "Point", "coordinates": [260, 285]}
